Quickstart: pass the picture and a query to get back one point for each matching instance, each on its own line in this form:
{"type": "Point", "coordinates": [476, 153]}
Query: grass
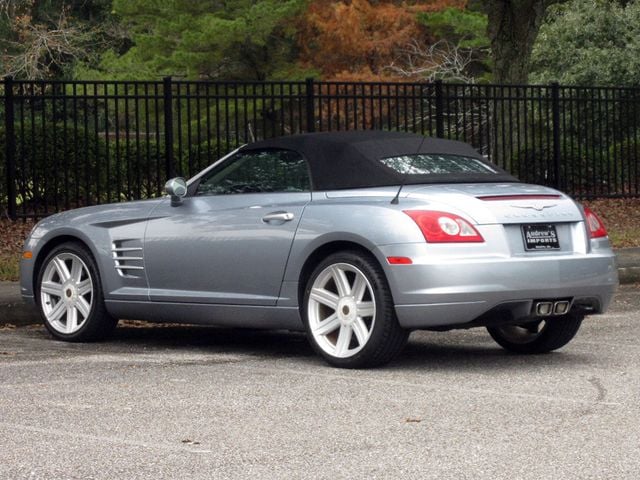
{"type": "Point", "coordinates": [620, 216]}
{"type": "Point", "coordinates": [628, 237]}
{"type": "Point", "coordinates": [9, 267]}
{"type": "Point", "coordinates": [12, 235]}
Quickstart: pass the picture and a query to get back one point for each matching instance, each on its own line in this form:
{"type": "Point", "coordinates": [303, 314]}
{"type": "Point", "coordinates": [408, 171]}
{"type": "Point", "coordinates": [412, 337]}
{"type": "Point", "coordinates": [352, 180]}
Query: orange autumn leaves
{"type": "Point", "coordinates": [356, 40]}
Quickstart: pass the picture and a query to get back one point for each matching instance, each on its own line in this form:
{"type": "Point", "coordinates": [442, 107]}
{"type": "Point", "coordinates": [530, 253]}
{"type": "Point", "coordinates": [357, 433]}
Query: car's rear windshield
{"type": "Point", "coordinates": [433, 164]}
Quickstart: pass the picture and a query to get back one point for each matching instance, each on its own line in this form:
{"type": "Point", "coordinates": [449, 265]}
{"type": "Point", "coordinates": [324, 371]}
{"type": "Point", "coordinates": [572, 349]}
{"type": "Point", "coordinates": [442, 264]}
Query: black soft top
{"type": "Point", "coordinates": [340, 160]}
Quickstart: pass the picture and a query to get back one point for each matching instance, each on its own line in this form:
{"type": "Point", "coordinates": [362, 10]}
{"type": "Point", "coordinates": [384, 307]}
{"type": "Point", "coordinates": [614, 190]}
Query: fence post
{"type": "Point", "coordinates": [310, 105]}
{"type": "Point", "coordinates": [168, 127]}
{"type": "Point", "coordinates": [439, 109]}
{"type": "Point", "coordinates": [10, 147]}
{"type": "Point", "coordinates": [555, 106]}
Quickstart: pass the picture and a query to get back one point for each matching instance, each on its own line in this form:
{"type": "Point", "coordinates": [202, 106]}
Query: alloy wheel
{"type": "Point", "coordinates": [341, 310]}
{"type": "Point", "coordinates": [66, 293]}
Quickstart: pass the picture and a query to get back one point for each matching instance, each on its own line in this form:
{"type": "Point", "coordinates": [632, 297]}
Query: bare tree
{"type": "Point", "coordinates": [442, 60]}
{"type": "Point", "coordinates": [446, 61]}
{"type": "Point", "coordinates": [9, 7]}
{"type": "Point", "coordinates": [41, 50]}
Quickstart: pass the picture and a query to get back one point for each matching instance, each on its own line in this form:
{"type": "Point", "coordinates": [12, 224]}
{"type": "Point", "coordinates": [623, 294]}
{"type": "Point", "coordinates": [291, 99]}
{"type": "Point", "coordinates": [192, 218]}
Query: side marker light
{"type": "Point", "coordinates": [399, 261]}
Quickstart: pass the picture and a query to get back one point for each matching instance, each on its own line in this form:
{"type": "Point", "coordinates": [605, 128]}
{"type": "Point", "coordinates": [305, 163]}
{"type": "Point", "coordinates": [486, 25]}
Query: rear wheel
{"type": "Point", "coordinates": [540, 336]}
{"type": "Point", "coordinates": [69, 294]}
{"type": "Point", "coordinates": [348, 312]}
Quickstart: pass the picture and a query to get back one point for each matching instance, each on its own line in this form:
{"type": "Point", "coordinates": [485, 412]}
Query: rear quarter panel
{"type": "Point", "coordinates": [365, 220]}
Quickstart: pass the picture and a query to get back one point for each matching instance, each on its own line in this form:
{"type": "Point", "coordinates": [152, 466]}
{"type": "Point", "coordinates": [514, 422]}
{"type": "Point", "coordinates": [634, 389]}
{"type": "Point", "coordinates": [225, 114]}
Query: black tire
{"type": "Point", "coordinates": [555, 334]}
{"type": "Point", "coordinates": [98, 324]}
{"type": "Point", "coordinates": [386, 338]}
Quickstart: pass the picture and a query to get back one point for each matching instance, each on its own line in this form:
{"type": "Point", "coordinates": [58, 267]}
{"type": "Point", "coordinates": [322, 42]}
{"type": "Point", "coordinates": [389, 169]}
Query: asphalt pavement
{"type": "Point", "coordinates": [181, 402]}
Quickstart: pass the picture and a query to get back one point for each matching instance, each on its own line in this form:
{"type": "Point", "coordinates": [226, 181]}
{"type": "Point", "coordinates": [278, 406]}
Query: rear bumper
{"type": "Point", "coordinates": [446, 290]}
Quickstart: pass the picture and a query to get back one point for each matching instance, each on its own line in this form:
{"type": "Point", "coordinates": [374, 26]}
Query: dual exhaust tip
{"type": "Point", "coordinates": [548, 308]}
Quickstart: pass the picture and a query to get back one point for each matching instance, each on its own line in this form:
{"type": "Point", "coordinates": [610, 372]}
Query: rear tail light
{"type": "Point", "coordinates": [443, 227]}
{"type": "Point", "coordinates": [595, 227]}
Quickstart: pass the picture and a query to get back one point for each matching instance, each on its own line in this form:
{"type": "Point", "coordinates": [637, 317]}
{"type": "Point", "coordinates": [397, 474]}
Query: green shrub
{"type": "Point", "coordinates": [67, 166]}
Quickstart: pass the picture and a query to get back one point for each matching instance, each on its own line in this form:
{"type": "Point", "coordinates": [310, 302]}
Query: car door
{"type": "Point", "coordinates": [228, 241]}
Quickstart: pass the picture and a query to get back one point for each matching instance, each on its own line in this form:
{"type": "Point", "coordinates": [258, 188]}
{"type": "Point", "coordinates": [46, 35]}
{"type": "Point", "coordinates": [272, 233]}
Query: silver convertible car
{"type": "Point", "coordinates": [358, 238]}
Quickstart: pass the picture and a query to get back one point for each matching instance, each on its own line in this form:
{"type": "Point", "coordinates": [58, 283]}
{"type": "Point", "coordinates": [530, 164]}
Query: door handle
{"type": "Point", "coordinates": [278, 217]}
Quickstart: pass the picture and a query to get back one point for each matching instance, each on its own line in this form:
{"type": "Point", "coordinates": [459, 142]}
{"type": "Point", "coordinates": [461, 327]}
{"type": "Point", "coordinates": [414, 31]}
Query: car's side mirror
{"type": "Point", "coordinates": [177, 189]}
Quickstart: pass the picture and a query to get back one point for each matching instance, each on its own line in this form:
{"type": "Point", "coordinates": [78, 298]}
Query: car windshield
{"type": "Point", "coordinates": [429, 164]}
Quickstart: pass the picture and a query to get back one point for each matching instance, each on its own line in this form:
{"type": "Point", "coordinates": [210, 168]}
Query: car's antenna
{"type": "Point", "coordinates": [396, 199]}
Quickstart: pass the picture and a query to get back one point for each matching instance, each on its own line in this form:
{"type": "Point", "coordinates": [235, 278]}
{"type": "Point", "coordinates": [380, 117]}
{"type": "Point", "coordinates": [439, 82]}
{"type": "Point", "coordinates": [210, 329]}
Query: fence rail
{"type": "Point", "coordinates": [76, 143]}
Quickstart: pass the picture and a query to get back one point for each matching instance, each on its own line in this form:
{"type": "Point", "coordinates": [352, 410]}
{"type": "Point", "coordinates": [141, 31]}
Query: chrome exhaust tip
{"type": "Point", "coordinates": [561, 308]}
{"type": "Point", "coordinates": [547, 308]}
{"type": "Point", "coordinates": [544, 309]}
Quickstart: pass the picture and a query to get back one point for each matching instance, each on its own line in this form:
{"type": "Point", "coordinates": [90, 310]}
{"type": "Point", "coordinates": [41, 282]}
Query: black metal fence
{"type": "Point", "coordinates": [69, 144]}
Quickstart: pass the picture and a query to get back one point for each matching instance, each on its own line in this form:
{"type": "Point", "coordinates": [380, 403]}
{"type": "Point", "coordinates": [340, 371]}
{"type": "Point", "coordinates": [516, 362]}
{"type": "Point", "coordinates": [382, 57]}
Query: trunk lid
{"type": "Point", "coordinates": [510, 203]}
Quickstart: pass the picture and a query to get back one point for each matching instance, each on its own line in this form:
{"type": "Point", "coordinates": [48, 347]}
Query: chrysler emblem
{"type": "Point", "coordinates": [538, 207]}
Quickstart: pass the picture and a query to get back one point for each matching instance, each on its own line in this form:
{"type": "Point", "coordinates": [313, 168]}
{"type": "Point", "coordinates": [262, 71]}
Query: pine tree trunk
{"type": "Point", "coordinates": [513, 27]}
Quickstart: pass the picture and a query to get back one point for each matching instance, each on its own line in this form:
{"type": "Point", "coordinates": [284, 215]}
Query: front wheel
{"type": "Point", "coordinates": [69, 295]}
{"type": "Point", "coordinates": [348, 312]}
{"type": "Point", "coordinates": [539, 336]}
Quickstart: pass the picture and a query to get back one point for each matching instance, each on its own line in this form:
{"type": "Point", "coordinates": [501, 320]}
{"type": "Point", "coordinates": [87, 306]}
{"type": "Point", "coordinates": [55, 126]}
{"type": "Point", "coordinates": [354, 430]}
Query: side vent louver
{"type": "Point", "coordinates": [128, 257]}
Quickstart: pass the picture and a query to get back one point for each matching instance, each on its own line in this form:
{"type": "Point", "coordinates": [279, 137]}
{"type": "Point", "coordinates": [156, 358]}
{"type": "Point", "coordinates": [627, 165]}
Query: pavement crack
{"type": "Point", "coordinates": [602, 392]}
{"type": "Point", "coordinates": [386, 382]}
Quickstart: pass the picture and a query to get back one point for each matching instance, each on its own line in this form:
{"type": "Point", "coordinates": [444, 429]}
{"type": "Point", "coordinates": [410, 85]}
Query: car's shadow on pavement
{"type": "Point", "coordinates": [275, 343]}
{"type": "Point", "coordinates": [436, 352]}
{"type": "Point", "coordinates": [440, 356]}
